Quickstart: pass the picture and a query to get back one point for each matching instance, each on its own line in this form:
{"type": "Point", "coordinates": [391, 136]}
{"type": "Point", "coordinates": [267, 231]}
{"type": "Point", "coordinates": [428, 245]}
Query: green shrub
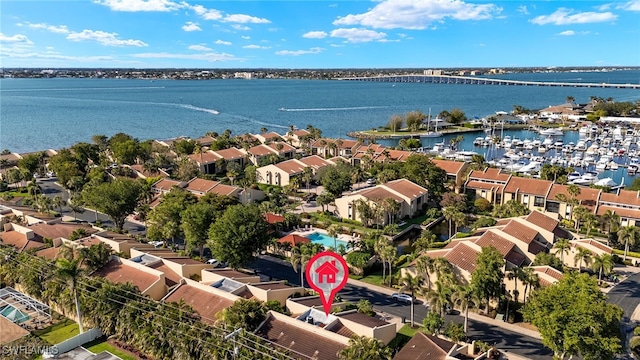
{"type": "Point", "coordinates": [636, 330]}
{"type": "Point", "coordinates": [484, 221]}
{"type": "Point", "coordinates": [438, 244]}
{"type": "Point", "coordinates": [460, 235]}
{"type": "Point", "coordinates": [482, 204]}
{"type": "Point", "coordinates": [634, 343]}
{"type": "Point", "coordinates": [629, 253]}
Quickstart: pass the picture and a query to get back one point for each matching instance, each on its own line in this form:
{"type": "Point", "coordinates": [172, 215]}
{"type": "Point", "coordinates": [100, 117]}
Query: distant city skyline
{"type": "Point", "coordinates": [319, 34]}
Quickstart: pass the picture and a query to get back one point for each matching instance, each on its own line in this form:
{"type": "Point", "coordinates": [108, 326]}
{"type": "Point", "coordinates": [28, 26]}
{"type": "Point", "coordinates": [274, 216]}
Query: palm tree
{"type": "Point", "coordinates": [531, 280]}
{"type": "Point", "coordinates": [70, 271]}
{"type": "Point", "coordinates": [424, 241]}
{"type": "Point", "coordinates": [450, 212]}
{"type": "Point", "coordinates": [411, 284]}
{"type": "Point", "coordinates": [609, 219]}
{"type": "Point", "coordinates": [307, 177]}
{"type": "Point", "coordinates": [582, 255]}
{"type": "Point", "coordinates": [390, 254]}
{"type": "Point", "coordinates": [439, 297]}
{"type": "Point", "coordinates": [300, 255]}
{"type": "Point", "coordinates": [333, 232]}
{"type": "Point", "coordinates": [365, 348]}
{"type": "Point", "coordinates": [602, 264]}
{"type": "Point", "coordinates": [464, 297]}
{"type": "Point", "coordinates": [628, 235]}
{"type": "Point", "coordinates": [515, 274]}
{"type": "Point", "coordinates": [563, 246]}
{"type": "Point", "coordinates": [57, 202]}
{"type": "Point", "coordinates": [424, 266]}
{"type": "Point", "coordinates": [590, 221]}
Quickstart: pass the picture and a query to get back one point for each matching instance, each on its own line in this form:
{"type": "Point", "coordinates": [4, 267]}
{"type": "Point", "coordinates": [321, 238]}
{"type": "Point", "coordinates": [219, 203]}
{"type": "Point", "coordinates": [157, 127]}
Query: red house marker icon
{"type": "Point", "coordinates": [327, 272]}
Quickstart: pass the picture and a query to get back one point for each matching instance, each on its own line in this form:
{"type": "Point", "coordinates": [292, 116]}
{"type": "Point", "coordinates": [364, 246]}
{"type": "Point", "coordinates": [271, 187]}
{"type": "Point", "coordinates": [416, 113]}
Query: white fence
{"type": "Point", "coordinates": [73, 343]}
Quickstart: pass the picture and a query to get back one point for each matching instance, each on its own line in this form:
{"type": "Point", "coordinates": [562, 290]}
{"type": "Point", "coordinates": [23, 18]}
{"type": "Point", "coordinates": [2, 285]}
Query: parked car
{"type": "Point", "coordinates": [371, 181]}
{"type": "Point", "coordinates": [402, 297]}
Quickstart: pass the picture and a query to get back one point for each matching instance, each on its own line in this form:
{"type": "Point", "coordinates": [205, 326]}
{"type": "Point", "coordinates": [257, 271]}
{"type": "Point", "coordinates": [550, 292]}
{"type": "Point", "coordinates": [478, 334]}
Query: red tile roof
{"type": "Point", "coordinates": [206, 304]}
{"type": "Point", "coordinates": [628, 197]}
{"type": "Point", "coordinates": [291, 167]}
{"type": "Point", "coordinates": [520, 231]}
{"type": "Point", "coordinates": [294, 239]}
{"type": "Point", "coordinates": [528, 186]}
{"type": "Point", "coordinates": [19, 241]}
{"type": "Point", "coordinates": [273, 218]}
{"type": "Point", "coordinates": [230, 154]}
{"type": "Point", "coordinates": [171, 278]}
{"type": "Point", "coordinates": [206, 157]}
{"type": "Point", "coordinates": [300, 340]}
{"type": "Point", "coordinates": [119, 273]}
{"type": "Point", "coordinates": [423, 346]}
{"type": "Point", "coordinates": [49, 253]}
{"type": "Point", "coordinates": [463, 256]}
{"type": "Point", "coordinates": [285, 147]}
{"type": "Point", "coordinates": [549, 271]}
{"type": "Point", "coordinates": [363, 319]}
{"type": "Point", "coordinates": [260, 150]}
{"type": "Point", "coordinates": [57, 230]}
{"type": "Point", "coordinates": [200, 185]}
{"type": "Point", "coordinates": [166, 184]}
{"type": "Point", "coordinates": [489, 174]}
{"type": "Point", "coordinates": [475, 184]}
{"type": "Point", "coordinates": [379, 193]}
{"type": "Point", "coordinates": [622, 212]}
{"type": "Point", "coordinates": [315, 162]}
{"type": "Point", "coordinates": [490, 238]}
{"type": "Point", "coordinates": [596, 244]}
{"type": "Point", "coordinates": [542, 220]}
{"type": "Point", "coordinates": [406, 188]}
{"type": "Point", "coordinates": [451, 167]}
{"type": "Point", "coordinates": [588, 197]}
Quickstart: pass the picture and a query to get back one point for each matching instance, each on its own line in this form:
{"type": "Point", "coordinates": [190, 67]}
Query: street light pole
{"type": "Point", "coordinates": [232, 335]}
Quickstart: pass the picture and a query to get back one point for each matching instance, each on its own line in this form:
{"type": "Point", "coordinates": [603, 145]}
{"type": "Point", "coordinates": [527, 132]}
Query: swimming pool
{"type": "Point", "coordinates": [326, 240]}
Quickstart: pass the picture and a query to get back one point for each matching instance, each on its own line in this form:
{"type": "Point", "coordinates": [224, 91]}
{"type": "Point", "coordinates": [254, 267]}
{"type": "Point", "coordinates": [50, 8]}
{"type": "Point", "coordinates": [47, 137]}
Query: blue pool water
{"type": "Point", "coordinates": [326, 240]}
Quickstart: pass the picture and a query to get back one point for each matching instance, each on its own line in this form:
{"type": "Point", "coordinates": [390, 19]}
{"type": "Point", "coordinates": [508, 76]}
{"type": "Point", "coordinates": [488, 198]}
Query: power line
{"type": "Point", "coordinates": [168, 304]}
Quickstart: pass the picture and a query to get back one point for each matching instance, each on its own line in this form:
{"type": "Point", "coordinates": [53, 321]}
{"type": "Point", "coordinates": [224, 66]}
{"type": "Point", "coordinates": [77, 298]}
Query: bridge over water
{"type": "Point", "coordinates": [472, 80]}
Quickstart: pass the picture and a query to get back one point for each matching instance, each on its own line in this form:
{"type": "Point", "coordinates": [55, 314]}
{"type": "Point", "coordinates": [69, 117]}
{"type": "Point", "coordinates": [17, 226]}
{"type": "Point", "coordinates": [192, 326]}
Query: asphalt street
{"type": "Point", "coordinates": [51, 189]}
{"type": "Point", "coordinates": [505, 340]}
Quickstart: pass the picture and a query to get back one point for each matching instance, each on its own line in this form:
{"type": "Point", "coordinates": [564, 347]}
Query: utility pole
{"type": "Point", "coordinates": [232, 335]}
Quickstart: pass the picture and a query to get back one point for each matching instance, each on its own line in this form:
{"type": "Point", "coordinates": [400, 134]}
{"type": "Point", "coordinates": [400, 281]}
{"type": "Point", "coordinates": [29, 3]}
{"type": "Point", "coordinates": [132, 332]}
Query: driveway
{"type": "Point", "coordinates": [506, 340]}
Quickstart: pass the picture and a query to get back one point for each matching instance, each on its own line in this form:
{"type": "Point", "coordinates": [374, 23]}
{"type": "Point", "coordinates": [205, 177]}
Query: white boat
{"type": "Point", "coordinates": [551, 132]}
{"type": "Point", "coordinates": [574, 176]}
{"type": "Point", "coordinates": [606, 182]}
{"type": "Point", "coordinates": [531, 167]}
{"type": "Point", "coordinates": [431, 134]}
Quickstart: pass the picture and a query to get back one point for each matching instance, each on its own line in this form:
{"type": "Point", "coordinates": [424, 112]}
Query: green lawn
{"type": "Point", "coordinates": [99, 345]}
{"type": "Point", "coordinates": [375, 278]}
{"type": "Point", "coordinates": [408, 331]}
{"type": "Point", "coordinates": [59, 332]}
{"type": "Point", "coordinates": [403, 336]}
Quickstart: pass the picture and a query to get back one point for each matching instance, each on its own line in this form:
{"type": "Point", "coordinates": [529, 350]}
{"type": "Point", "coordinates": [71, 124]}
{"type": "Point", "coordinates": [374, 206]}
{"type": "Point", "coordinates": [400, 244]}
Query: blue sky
{"type": "Point", "coordinates": [318, 34]}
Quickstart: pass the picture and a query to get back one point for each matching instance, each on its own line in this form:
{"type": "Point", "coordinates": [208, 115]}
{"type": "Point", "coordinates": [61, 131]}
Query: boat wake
{"type": "Point", "coordinates": [336, 109]}
{"type": "Point", "coordinates": [240, 117]}
{"type": "Point", "coordinates": [191, 107]}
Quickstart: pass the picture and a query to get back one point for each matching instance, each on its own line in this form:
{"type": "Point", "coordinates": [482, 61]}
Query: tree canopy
{"type": "Point", "coordinates": [488, 275]}
{"type": "Point", "coordinates": [118, 199]}
{"type": "Point", "coordinates": [574, 318]}
{"type": "Point", "coordinates": [237, 234]}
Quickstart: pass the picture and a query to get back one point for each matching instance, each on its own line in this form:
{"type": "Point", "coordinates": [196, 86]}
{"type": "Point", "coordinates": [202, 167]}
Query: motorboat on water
{"type": "Point", "coordinates": [551, 132]}
{"type": "Point", "coordinates": [431, 134]}
{"type": "Point", "coordinates": [574, 176]}
{"type": "Point", "coordinates": [608, 182]}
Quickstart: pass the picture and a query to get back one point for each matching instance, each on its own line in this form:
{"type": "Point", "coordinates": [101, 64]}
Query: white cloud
{"type": "Point", "coordinates": [564, 16]}
{"type": "Point", "coordinates": [191, 26]}
{"type": "Point", "coordinates": [314, 50]}
{"type": "Point", "coordinates": [207, 14]}
{"type": "Point", "coordinates": [211, 57]}
{"type": "Point", "coordinates": [388, 40]}
{"type": "Point", "coordinates": [631, 5]}
{"type": "Point", "coordinates": [140, 5]}
{"type": "Point", "coordinates": [333, 5]}
{"type": "Point", "coordinates": [315, 35]}
{"type": "Point", "coordinates": [104, 38]}
{"type": "Point", "coordinates": [336, 45]}
{"type": "Point", "coordinates": [571, 33]}
{"type": "Point", "coordinates": [355, 35]}
{"type": "Point", "coordinates": [418, 14]}
{"type": "Point", "coordinates": [199, 48]}
{"type": "Point", "coordinates": [61, 29]}
{"type": "Point", "coordinates": [16, 39]}
{"type": "Point", "coordinates": [246, 37]}
{"type": "Point", "coordinates": [222, 42]}
{"type": "Point", "coordinates": [253, 46]}
{"type": "Point", "coordinates": [523, 9]}
{"type": "Point", "coordinates": [245, 19]}
{"type": "Point", "coordinates": [240, 27]}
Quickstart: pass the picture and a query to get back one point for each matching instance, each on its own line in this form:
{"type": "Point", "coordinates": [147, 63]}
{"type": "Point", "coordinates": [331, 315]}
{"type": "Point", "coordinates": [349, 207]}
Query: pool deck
{"type": "Point", "coordinates": [306, 231]}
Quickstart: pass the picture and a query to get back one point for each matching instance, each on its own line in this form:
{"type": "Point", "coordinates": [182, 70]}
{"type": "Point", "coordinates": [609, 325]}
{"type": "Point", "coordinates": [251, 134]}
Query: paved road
{"type": "Point", "coordinates": [505, 340]}
{"type": "Point", "coordinates": [626, 295]}
{"type": "Point", "coordinates": [51, 188]}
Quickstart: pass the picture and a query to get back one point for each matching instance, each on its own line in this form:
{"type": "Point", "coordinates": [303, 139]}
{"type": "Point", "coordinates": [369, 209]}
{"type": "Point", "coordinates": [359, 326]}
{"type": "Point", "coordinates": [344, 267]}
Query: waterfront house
{"type": "Point", "coordinates": [624, 203]}
{"type": "Point", "coordinates": [296, 137]}
{"type": "Point", "coordinates": [326, 147]}
{"type": "Point", "coordinates": [530, 192]}
{"type": "Point", "coordinates": [200, 187]}
{"type": "Point", "coordinates": [281, 173]}
{"type": "Point", "coordinates": [206, 161]}
{"type": "Point", "coordinates": [487, 184]}
{"type": "Point", "coordinates": [268, 137]}
{"type": "Point", "coordinates": [409, 196]}
{"type": "Point", "coordinates": [455, 170]}
{"type": "Point", "coordinates": [259, 152]}
{"type": "Point", "coordinates": [558, 196]}
{"type": "Point", "coordinates": [232, 155]}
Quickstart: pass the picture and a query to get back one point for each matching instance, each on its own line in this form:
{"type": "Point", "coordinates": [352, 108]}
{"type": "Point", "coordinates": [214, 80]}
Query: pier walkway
{"type": "Point", "coordinates": [474, 80]}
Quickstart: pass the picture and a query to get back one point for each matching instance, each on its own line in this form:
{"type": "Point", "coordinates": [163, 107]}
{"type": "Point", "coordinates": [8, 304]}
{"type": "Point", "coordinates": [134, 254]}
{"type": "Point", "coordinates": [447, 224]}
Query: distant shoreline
{"type": "Point", "coordinates": [370, 134]}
